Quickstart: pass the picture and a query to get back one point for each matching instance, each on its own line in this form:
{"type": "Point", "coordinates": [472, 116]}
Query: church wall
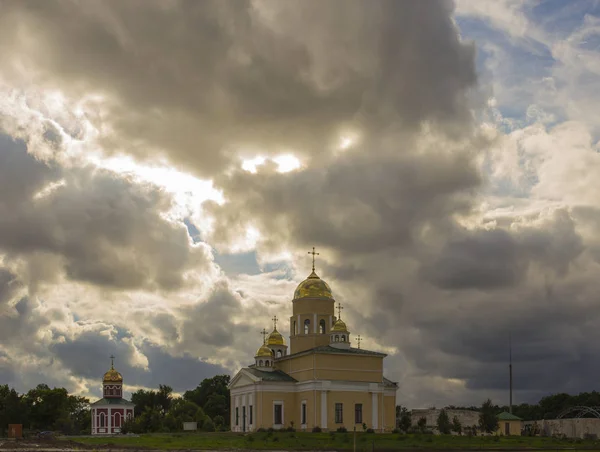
{"type": "Point", "coordinates": [300, 368]}
{"type": "Point", "coordinates": [348, 399]}
{"type": "Point", "coordinates": [389, 416]}
{"type": "Point", "coordinates": [309, 306]}
{"type": "Point", "coordinates": [313, 400]}
{"type": "Point", "coordinates": [290, 410]}
{"type": "Point", "coordinates": [349, 368]}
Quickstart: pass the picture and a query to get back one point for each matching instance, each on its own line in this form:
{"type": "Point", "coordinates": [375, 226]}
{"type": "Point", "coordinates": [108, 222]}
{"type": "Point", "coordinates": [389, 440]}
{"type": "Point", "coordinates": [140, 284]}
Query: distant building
{"type": "Point", "coordinates": [467, 418]}
{"type": "Point", "coordinates": [570, 428]}
{"type": "Point", "coordinates": [509, 424]}
{"type": "Point", "coordinates": [110, 412]}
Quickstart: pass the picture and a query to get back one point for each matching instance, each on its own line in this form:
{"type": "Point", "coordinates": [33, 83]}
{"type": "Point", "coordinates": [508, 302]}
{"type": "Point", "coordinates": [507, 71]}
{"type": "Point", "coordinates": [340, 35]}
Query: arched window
{"type": "Point", "coordinates": [260, 363]}
{"type": "Point", "coordinates": [337, 338]}
{"type": "Point", "coordinates": [267, 363]}
{"type": "Point", "coordinates": [306, 326]}
{"type": "Point", "coordinates": [279, 354]}
{"type": "Point", "coordinates": [102, 420]}
{"type": "Point", "coordinates": [322, 326]}
{"type": "Point", "coordinates": [130, 415]}
{"type": "Point", "coordinates": [117, 422]}
{"type": "Point", "coordinates": [294, 328]}
{"type": "Point", "coordinates": [343, 338]}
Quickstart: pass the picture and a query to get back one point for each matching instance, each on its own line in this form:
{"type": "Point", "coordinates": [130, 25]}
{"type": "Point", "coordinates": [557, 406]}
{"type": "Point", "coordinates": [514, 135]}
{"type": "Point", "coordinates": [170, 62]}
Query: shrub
{"type": "Point", "coordinates": [396, 431]}
{"type": "Point", "coordinates": [290, 429]}
{"type": "Point", "coordinates": [342, 429]}
{"type": "Point", "coordinates": [317, 429]}
{"type": "Point", "coordinates": [370, 430]}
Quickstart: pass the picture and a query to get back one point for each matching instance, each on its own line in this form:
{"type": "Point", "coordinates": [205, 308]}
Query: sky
{"type": "Point", "coordinates": [165, 166]}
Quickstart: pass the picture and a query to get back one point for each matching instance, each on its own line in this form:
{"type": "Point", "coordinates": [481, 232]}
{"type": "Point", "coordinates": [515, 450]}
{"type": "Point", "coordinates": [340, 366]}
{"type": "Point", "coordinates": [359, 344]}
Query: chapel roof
{"type": "Point", "coordinates": [505, 416]}
{"type": "Point", "coordinates": [111, 401]}
{"type": "Point", "coordinates": [273, 375]}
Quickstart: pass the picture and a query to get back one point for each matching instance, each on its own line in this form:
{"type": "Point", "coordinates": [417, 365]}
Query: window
{"type": "Point", "coordinates": [294, 328]}
{"type": "Point", "coordinates": [278, 414]}
{"type": "Point", "coordinates": [130, 415]}
{"type": "Point", "coordinates": [250, 415]}
{"type": "Point", "coordinates": [267, 363]}
{"type": "Point", "coordinates": [343, 338]}
{"type": "Point", "coordinates": [337, 338]}
{"type": "Point", "coordinates": [279, 354]}
{"type": "Point", "coordinates": [306, 326]}
{"type": "Point", "coordinates": [260, 363]}
{"type": "Point", "coordinates": [102, 420]}
{"type": "Point", "coordinates": [117, 419]}
{"type": "Point", "coordinates": [358, 413]}
{"type": "Point", "coordinates": [339, 413]}
{"type": "Point", "coordinates": [322, 326]}
{"type": "Point", "coordinates": [237, 416]}
{"type": "Point", "coordinates": [303, 413]}
{"type": "Point", "coordinates": [244, 417]}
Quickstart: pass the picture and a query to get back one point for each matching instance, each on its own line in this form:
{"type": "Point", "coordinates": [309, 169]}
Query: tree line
{"type": "Point", "coordinates": [54, 409]}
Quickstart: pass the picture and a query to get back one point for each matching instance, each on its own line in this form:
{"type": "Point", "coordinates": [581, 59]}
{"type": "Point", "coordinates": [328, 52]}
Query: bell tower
{"type": "Point", "coordinates": [313, 312]}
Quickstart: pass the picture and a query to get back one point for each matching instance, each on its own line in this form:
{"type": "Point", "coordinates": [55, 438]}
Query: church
{"type": "Point", "coordinates": [320, 381]}
{"type": "Point", "coordinates": [110, 412]}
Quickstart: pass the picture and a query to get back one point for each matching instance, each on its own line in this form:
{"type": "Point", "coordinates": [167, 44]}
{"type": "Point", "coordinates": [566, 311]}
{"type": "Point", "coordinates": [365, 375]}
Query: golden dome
{"type": "Point", "coordinates": [264, 351]}
{"type": "Point", "coordinates": [313, 287]}
{"type": "Point", "coordinates": [112, 376]}
{"type": "Point", "coordinates": [339, 327]}
{"type": "Point", "coordinates": [275, 338]}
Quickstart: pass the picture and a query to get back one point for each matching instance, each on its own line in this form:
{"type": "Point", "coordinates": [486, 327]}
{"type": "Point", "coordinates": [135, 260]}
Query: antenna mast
{"type": "Point", "coordinates": [510, 376]}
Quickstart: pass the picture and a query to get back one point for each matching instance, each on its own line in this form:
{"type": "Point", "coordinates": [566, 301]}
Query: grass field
{"type": "Point", "coordinates": [336, 441]}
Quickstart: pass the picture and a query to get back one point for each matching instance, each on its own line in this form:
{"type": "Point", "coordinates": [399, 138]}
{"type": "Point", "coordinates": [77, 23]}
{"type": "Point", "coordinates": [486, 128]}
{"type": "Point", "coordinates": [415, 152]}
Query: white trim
{"type": "Point", "coordinates": [374, 410]}
{"type": "Point", "coordinates": [332, 368]}
{"type": "Point", "coordinates": [279, 402]}
{"type": "Point", "coordinates": [303, 404]}
{"type": "Point", "coordinates": [310, 385]}
{"type": "Point", "coordinates": [323, 409]}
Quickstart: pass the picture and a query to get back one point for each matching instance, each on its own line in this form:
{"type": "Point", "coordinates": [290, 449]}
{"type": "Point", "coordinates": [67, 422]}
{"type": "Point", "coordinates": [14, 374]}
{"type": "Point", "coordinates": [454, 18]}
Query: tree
{"type": "Point", "coordinates": [456, 426]}
{"type": "Point", "coordinates": [422, 424]}
{"type": "Point", "coordinates": [163, 398]}
{"type": "Point", "coordinates": [403, 418]}
{"type": "Point", "coordinates": [443, 423]}
{"type": "Point", "coordinates": [488, 422]}
{"type": "Point", "coordinates": [12, 408]}
{"type": "Point", "coordinates": [212, 395]}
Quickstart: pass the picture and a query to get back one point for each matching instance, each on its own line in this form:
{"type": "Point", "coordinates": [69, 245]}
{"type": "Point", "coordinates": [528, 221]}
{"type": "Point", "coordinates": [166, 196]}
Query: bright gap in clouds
{"type": "Point", "coordinates": [285, 163]}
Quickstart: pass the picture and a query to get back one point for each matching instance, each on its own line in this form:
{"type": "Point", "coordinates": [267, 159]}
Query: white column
{"type": "Point", "coordinates": [93, 420]}
{"type": "Point", "coordinates": [315, 328]}
{"type": "Point", "coordinates": [300, 326]}
{"type": "Point", "coordinates": [374, 410]}
{"type": "Point", "coordinates": [323, 409]}
{"type": "Point", "coordinates": [109, 423]}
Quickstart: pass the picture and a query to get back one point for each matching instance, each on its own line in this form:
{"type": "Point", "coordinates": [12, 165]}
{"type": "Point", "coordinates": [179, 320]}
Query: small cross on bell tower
{"type": "Point", "coordinates": [359, 340]}
{"type": "Point", "coordinates": [313, 257]}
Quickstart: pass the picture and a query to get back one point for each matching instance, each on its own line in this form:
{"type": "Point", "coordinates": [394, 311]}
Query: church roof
{"type": "Point", "coordinates": [273, 375]}
{"type": "Point", "coordinates": [116, 401]}
{"type": "Point", "coordinates": [389, 383]}
{"type": "Point", "coordinates": [351, 350]}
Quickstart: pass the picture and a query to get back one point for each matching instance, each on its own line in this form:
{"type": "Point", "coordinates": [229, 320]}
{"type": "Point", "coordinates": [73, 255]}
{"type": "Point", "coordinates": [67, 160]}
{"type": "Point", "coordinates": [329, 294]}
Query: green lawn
{"type": "Point", "coordinates": [334, 441]}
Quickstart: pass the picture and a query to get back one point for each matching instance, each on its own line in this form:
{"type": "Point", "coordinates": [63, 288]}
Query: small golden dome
{"type": "Point", "coordinates": [112, 376]}
{"type": "Point", "coordinates": [339, 327]}
{"type": "Point", "coordinates": [275, 338]}
{"type": "Point", "coordinates": [313, 287]}
{"type": "Point", "coordinates": [264, 352]}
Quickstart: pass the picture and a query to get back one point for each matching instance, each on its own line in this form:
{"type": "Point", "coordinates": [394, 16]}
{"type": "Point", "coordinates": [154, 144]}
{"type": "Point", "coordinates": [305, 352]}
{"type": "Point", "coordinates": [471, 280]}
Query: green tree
{"type": "Point", "coordinates": [488, 422]}
{"type": "Point", "coordinates": [403, 418]}
{"type": "Point", "coordinates": [12, 408]}
{"type": "Point", "coordinates": [422, 424]}
{"type": "Point", "coordinates": [212, 395]}
{"type": "Point", "coordinates": [443, 423]}
{"type": "Point", "coordinates": [163, 398]}
{"type": "Point", "coordinates": [456, 426]}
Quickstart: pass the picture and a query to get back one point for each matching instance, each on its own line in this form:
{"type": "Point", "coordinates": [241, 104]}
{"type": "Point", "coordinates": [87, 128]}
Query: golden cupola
{"type": "Point", "coordinates": [313, 287]}
{"type": "Point", "coordinates": [339, 336]}
{"type": "Point", "coordinates": [112, 376]}
{"type": "Point", "coordinates": [264, 357]}
{"type": "Point", "coordinates": [112, 382]}
{"type": "Point", "coordinates": [339, 327]}
{"type": "Point", "coordinates": [275, 338]}
{"type": "Point", "coordinates": [264, 352]}
{"type": "Point", "coordinates": [275, 341]}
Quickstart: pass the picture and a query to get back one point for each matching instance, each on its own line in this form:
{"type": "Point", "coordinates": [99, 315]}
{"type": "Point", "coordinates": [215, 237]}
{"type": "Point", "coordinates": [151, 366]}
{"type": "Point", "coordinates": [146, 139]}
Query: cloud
{"type": "Point", "coordinates": [228, 79]}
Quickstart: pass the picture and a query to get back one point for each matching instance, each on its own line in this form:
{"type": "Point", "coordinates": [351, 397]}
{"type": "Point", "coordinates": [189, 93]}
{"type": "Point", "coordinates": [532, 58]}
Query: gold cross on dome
{"type": "Point", "coordinates": [274, 319]}
{"type": "Point", "coordinates": [313, 257]}
{"type": "Point", "coordinates": [359, 340]}
{"type": "Point", "coordinates": [264, 332]}
{"type": "Point", "coordinates": [112, 361]}
{"type": "Point", "coordinates": [339, 308]}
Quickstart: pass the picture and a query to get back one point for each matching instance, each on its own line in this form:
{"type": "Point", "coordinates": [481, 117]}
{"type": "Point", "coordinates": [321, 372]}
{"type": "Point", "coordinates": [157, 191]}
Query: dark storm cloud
{"type": "Point", "coordinates": [105, 229]}
{"type": "Point", "coordinates": [206, 80]}
{"type": "Point", "coordinates": [87, 355]}
{"type": "Point", "coordinates": [8, 285]}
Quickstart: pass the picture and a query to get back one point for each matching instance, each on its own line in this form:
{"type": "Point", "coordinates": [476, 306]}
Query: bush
{"type": "Point", "coordinates": [396, 431]}
{"type": "Point", "coordinates": [316, 429]}
{"type": "Point", "coordinates": [342, 429]}
{"type": "Point", "coordinates": [208, 425]}
{"type": "Point", "coordinates": [261, 430]}
{"type": "Point", "coordinates": [290, 429]}
{"type": "Point", "coordinates": [370, 430]}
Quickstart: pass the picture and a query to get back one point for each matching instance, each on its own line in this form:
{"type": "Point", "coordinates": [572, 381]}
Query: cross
{"type": "Point", "coordinates": [358, 339]}
{"type": "Point", "coordinates": [112, 361]}
{"type": "Point", "coordinates": [274, 322]}
{"type": "Point", "coordinates": [264, 333]}
{"type": "Point", "coordinates": [313, 255]}
{"type": "Point", "coordinates": [339, 308]}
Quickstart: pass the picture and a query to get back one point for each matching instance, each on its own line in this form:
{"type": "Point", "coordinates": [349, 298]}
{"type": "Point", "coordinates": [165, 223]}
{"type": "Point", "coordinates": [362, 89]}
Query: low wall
{"type": "Point", "coordinates": [571, 428]}
{"type": "Point", "coordinates": [467, 418]}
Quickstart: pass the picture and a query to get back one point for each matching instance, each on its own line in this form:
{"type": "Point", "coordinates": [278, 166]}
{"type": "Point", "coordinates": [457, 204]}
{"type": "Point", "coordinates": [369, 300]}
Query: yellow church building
{"type": "Point", "coordinates": [321, 381]}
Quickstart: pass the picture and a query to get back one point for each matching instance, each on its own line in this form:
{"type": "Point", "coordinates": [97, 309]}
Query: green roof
{"type": "Point", "coordinates": [110, 401]}
{"type": "Point", "coordinates": [273, 375]}
{"type": "Point", "coordinates": [504, 416]}
{"type": "Point", "coordinates": [334, 350]}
